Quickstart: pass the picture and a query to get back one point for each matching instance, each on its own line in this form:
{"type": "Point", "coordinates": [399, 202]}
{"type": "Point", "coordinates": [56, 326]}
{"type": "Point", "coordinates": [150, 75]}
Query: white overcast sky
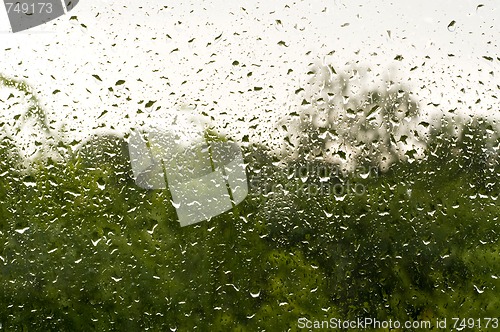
{"type": "Point", "coordinates": [183, 52]}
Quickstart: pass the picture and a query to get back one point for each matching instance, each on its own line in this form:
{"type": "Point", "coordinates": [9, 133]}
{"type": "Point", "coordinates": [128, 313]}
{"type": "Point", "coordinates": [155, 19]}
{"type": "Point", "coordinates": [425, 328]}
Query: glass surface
{"type": "Point", "coordinates": [250, 166]}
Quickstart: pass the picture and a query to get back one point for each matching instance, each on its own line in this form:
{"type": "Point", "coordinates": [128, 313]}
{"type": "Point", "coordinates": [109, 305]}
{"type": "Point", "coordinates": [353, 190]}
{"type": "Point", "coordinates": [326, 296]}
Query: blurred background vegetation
{"type": "Point", "coordinates": [83, 248]}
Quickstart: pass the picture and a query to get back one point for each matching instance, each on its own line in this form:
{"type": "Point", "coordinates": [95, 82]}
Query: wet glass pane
{"type": "Point", "coordinates": [263, 166]}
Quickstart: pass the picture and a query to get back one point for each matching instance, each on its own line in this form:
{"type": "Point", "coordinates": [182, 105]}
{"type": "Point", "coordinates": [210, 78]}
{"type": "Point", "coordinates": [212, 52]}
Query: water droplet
{"type": "Point", "coordinates": [22, 230]}
{"type": "Point", "coordinates": [451, 26]}
{"type": "Point", "coordinates": [480, 291]}
{"type": "Point", "coordinates": [255, 295]}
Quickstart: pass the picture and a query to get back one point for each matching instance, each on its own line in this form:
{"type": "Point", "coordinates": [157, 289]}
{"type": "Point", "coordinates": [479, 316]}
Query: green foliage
{"type": "Point", "coordinates": [83, 248]}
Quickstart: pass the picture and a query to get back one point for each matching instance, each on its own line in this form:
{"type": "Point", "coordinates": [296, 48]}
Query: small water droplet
{"type": "Point", "coordinates": [255, 295]}
{"type": "Point", "coordinates": [451, 26]}
{"type": "Point", "coordinates": [29, 183]}
{"type": "Point", "coordinates": [22, 230]}
{"type": "Point", "coordinates": [480, 291]}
